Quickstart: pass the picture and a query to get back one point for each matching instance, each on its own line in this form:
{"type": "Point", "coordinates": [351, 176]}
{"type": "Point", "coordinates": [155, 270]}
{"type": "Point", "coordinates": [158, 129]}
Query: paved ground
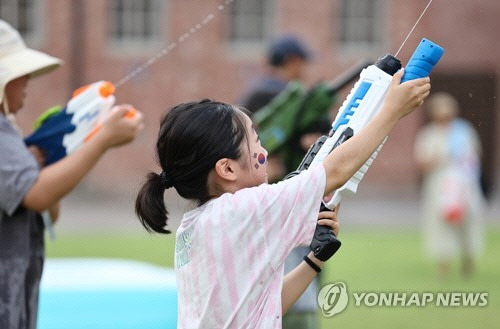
{"type": "Point", "coordinates": [93, 211]}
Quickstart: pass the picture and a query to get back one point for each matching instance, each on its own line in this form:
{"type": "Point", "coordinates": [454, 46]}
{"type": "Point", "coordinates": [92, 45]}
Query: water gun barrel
{"type": "Point", "coordinates": [423, 60]}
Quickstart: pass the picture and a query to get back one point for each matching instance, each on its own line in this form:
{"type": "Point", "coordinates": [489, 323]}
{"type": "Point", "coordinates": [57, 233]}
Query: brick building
{"type": "Point", "coordinates": [215, 49]}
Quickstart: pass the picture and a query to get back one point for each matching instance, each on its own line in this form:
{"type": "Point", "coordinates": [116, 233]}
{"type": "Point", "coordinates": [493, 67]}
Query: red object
{"type": "Point", "coordinates": [455, 214]}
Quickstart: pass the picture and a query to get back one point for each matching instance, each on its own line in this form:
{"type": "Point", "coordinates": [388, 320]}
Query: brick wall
{"type": "Point", "coordinates": [206, 66]}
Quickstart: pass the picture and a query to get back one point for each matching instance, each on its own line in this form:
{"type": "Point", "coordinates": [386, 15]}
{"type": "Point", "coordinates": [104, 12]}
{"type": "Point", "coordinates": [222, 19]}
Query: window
{"type": "Point", "coordinates": [360, 23]}
{"type": "Point", "coordinates": [135, 22]}
{"type": "Point", "coordinates": [21, 15]}
{"type": "Point", "coordinates": [250, 21]}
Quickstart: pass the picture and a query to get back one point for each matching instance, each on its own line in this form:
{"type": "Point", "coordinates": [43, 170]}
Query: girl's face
{"type": "Point", "coordinates": [16, 92]}
{"type": "Point", "coordinates": [255, 157]}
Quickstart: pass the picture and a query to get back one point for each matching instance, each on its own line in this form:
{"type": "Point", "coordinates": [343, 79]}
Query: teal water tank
{"type": "Point", "coordinates": [106, 294]}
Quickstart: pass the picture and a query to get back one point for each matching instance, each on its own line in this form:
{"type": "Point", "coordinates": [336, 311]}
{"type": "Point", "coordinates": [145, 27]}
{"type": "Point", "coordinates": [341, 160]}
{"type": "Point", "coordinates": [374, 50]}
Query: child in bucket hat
{"type": "Point", "coordinates": [17, 60]}
{"type": "Point", "coordinates": [27, 188]}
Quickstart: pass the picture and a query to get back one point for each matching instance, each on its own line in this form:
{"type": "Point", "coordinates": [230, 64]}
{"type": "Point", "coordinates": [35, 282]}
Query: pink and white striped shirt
{"type": "Point", "coordinates": [230, 252]}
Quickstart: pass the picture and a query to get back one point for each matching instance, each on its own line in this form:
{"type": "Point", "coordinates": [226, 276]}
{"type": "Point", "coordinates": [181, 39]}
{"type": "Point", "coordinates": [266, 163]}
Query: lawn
{"type": "Point", "coordinates": [379, 261]}
{"type": "Point", "coordinates": [393, 262]}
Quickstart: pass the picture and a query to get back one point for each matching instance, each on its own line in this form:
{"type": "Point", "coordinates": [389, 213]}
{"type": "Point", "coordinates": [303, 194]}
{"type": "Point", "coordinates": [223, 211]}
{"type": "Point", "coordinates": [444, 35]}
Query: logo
{"type": "Point", "coordinates": [438, 299]}
{"type": "Point", "coordinates": [182, 245]}
{"type": "Point", "coordinates": [332, 298]}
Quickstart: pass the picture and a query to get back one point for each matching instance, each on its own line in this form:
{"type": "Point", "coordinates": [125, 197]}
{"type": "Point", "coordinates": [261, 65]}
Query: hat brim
{"type": "Point", "coordinates": [25, 62]}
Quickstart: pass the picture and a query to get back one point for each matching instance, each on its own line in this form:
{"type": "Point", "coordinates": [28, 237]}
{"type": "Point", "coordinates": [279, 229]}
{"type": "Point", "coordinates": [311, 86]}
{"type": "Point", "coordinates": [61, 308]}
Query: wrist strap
{"type": "Point", "coordinates": [311, 263]}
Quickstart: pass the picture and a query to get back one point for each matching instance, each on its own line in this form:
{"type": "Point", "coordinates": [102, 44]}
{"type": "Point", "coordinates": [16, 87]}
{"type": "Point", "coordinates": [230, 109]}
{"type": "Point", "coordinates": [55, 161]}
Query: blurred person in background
{"type": "Point", "coordinates": [447, 152]}
{"type": "Point", "coordinates": [287, 59]}
{"type": "Point", "coordinates": [27, 187]}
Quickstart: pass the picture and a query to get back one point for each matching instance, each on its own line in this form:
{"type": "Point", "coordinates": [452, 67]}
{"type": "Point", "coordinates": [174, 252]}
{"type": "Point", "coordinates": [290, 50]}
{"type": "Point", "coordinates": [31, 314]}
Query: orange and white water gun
{"type": "Point", "coordinates": [61, 131]}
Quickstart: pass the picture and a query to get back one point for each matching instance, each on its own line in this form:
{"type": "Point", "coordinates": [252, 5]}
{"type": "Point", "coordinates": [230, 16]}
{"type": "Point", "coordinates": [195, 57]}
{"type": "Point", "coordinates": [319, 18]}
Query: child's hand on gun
{"type": "Point", "coordinates": [404, 98]}
{"type": "Point", "coordinates": [329, 218]}
{"type": "Point", "coordinates": [120, 126]}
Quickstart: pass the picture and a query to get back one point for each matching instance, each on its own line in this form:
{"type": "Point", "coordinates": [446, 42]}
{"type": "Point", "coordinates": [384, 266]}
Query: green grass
{"type": "Point", "coordinates": [380, 261]}
{"type": "Point", "coordinates": [152, 248]}
{"type": "Point", "coordinates": [394, 262]}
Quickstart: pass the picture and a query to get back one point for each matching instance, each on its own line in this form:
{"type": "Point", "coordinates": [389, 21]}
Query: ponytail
{"type": "Point", "coordinates": [192, 138]}
{"type": "Point", "coordinates": [150, 206]}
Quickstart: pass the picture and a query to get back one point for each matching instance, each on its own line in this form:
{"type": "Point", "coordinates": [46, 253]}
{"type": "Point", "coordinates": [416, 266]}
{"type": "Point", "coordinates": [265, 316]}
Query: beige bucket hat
{"type": "Point", "coordinates": [17, 60]}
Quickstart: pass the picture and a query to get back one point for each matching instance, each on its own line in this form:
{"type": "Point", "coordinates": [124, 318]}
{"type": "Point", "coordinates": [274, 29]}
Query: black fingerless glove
{"type": "Point", "coordinates": [324, 243]}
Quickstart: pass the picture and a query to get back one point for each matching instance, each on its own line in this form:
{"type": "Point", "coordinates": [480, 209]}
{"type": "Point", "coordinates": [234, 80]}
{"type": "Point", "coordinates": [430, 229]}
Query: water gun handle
{"type": "Point", "coordinates": [324, 243]}
{"type": "Point", "coordinates": [423, 60]}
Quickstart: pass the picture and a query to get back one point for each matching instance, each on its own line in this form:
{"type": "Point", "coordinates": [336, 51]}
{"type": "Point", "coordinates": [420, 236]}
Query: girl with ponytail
{"type": "Point", "coordinates": [230, 249]}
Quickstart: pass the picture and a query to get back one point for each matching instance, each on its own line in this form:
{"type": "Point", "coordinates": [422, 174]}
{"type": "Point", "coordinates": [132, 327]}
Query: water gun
{"type": "Point", "coordinates": [61, 131]}
{"type": "Point", "coordinates": [360, 106]}
{"type": "Point", "coordinates": [295, 109]}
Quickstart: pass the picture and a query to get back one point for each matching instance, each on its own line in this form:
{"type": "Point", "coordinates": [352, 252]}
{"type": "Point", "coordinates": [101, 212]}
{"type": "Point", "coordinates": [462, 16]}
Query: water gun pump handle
{"type": "Point", "coordinates": [423, 60]}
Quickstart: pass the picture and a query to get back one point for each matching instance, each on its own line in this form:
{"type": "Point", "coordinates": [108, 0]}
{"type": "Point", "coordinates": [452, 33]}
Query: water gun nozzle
{"type": "Point", "coordinates": [107, 89]}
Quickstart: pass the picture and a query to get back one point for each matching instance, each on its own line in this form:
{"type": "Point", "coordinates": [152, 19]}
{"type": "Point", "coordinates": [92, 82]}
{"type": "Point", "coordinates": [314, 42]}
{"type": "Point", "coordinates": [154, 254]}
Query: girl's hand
{"type": "Point", "coordinates": [329, 218]}
{"type": "Point", "coordinates": [119, 128]}
{"type": "Point", "coordinates": [404, 98]}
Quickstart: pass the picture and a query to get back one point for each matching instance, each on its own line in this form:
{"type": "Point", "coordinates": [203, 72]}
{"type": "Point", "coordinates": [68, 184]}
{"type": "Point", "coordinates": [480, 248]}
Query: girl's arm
{"type": "Point", "coordinates": [56, 180]}
{"type": "Point", "coordinates": [297, 280]}
{"type": "Point", "coordinates": [345, 160]}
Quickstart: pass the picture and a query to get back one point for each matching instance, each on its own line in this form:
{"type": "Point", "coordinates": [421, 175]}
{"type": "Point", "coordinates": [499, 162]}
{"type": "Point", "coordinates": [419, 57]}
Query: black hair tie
{"type": "Point", "coordinates": [166, 180]}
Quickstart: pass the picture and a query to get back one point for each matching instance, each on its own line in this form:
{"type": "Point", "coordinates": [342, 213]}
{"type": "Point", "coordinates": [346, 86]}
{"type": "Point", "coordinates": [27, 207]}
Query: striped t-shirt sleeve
{"type": "Point", "coordinates": [287, 212]}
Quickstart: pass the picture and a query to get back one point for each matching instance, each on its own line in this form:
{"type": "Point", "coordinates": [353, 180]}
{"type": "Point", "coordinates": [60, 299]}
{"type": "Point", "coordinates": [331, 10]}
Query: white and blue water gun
{"type": "Point", "coordinates": [360, 106]}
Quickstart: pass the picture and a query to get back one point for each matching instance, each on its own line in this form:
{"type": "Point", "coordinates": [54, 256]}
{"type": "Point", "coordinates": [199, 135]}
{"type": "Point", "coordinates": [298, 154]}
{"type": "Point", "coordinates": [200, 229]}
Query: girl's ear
{"type": "Point", "coordinates": [225, 169]}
